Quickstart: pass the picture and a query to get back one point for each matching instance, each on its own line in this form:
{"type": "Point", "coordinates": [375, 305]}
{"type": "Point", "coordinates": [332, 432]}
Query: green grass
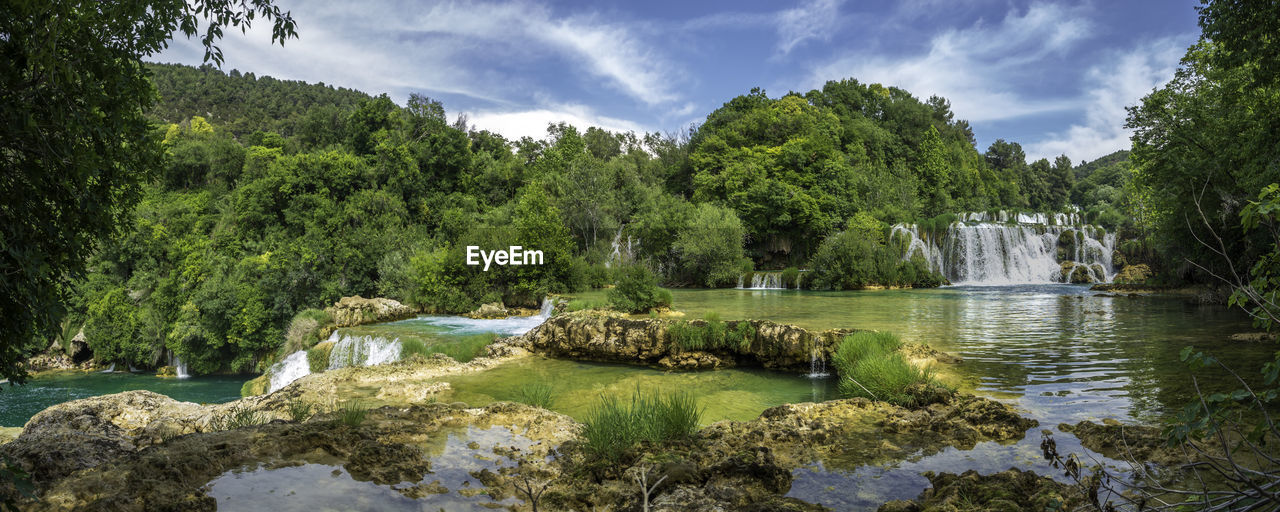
{"type": "Point", "coordinates": [789, 276]}
{"type": "Point", "coordinates": [870, 366]}
{"type": "Point", "coordinates": [613, 427]}
{"type": "Point", "coordinates": [462, 350]}
{"type": "Point", "coordinates": [238, 417]}
{"type": "Point", "coordinates": [687, 335]}
{"type": "Point", "coordinates": [711, 333]}
{"type": "Point", "coordinates": [583, 304]}
{"type": "Point", "coordinates": [299, 409]}
{"type": "Point", "coordinates": [318, 358]}
{"type": "Point", "coordinates": [352, 413]}
{"type": "Point", "coordinates": [742, 334]}
{"type": "Point", "coordinates": [537, 394]}
{"type": "Point", "coordinates": [714, 331]}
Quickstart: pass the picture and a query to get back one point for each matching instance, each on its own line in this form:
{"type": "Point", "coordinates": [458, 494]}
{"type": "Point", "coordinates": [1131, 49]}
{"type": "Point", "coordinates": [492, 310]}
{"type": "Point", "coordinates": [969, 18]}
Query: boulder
{"type": "Point", "coordinates": [489, 311]}
{"type": "Point", "coordinates": [357, 310]}
{"type": "Point", "coordinates": [1133, 274]}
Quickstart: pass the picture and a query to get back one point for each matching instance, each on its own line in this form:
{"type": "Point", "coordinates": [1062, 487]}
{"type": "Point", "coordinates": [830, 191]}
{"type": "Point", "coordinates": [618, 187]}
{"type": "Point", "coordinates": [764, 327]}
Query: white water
{"type": "Point", "coordinates": [292, 368]}
{"type": "Point", "coordinates": [987, 249]}
{"type": "Point", "coordinates": [621, 252]}
{"type": "Point", "coordinates": [179, 367]}
{"type": "Point", "coordinates": [817, 361]}
{"type": "Point", "coordinates": [368, 350]}
{"type": "Point", "coordinates": [768, 281]}
{"type": "Point", "coordinates": [110, 369]}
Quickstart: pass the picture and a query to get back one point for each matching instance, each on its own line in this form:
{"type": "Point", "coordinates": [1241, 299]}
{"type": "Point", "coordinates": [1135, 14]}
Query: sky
{"type": "Point", "coordinates": [1053, 76]}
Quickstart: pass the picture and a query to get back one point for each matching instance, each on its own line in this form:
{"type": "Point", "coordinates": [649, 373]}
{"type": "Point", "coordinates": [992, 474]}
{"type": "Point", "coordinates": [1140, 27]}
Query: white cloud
{"type": "Point", "coordinates": [975, 67]}
{"type": "Point", "coordinates": [1119, 82]}
{"type": "Point", "coordinates": [816, 20]}
{"type": "Point", "coordinates": [533, 123]}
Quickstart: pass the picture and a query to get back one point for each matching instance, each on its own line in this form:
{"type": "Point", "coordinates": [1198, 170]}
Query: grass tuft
{"type": "Point", "coordinates": [299, 410]}
{"type": "Point", "coordinates": [584, 304]}
{"type": "Point", "coordinates": [462, 350]}
{"type": "Point", "coordinates": [614, 427]}
{"type": "Point", "coordinates": [352, 413]}
{"type": "Point", "coordinates": [537, 394]}
{"type": "Point", "coordinates": [870, 366]}
{"type": "Point", "coordinates": [239, 416]}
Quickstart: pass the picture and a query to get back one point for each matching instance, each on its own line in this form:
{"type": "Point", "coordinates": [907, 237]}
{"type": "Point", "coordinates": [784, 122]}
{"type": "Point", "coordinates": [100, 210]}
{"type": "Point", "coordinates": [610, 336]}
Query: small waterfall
{"type": "Point", "coordinates": [764, 281]}
{"type": "Point", "coordinates": [292, 368]}
{"type": "Point", "coordinates": [621, 253]}
{"type": "Point", "coordinates": [817, 360]}
{"type": "Point", "coordinates": [110, 369]}
{"type": "Point", "coordinates": [179, 367]}
{"type": "Point", "coordinates": [998, 248]}
{"type": "Point", "coordinates": [363, 351]}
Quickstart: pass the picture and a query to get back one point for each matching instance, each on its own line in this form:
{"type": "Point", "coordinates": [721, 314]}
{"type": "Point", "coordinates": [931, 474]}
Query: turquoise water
{"type": "Point", "coordinates": [19, 403]}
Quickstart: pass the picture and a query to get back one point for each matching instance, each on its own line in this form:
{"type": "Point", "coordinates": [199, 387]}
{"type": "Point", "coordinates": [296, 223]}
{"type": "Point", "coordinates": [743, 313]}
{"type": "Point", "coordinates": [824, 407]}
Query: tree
{"type": "Point", "coordinates": [74, 144]}
{"type": "Point", "coordinates": [934, 174]}
{"type": "Point", "coordinates": [710, 247]}
{"type": "Point", "coordinates": [1061, 179]}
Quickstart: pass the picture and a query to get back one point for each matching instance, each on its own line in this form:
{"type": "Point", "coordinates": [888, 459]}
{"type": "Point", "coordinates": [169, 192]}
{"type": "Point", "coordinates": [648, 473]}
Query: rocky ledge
{"type": "Point", "coordinates": [357, 310]}
{"type": "Point", "coordinates": [614, 337]}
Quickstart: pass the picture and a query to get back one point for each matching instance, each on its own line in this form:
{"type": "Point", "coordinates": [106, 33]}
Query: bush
{"type": "Point", "coordinates": [848, 261]}
{"type": "Point", "coordinates": [614, 427]}
{"type": "Point", "coordinates": [637, 291]}
{"type": "Point", "coordinates": [710, 246]}
{"type": "Point", "coordinates": [318, 358]}
{"type": "Point", "coordinates": [598, 275]}
{"type": "Point", "coordinates": [870, 366]}
{"type": "Point", "coordinates": [790, 277]}
{"type": "Point", "coordinates": [304, 330]}
{"type": "Point", "coordinates": [742, 334]}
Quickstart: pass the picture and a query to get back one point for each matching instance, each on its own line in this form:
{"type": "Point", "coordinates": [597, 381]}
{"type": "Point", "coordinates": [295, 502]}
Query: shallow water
{"type": "Point", "coordinates": [733, 394]}
{"type": "Point", "coordinates": [19, 403]}
{"type": "Point", "coordinates": [312, 487]}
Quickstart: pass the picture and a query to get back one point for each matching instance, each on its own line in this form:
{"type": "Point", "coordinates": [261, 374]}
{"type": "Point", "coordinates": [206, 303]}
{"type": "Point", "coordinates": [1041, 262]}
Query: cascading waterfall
{"type": "Point", "coordinates": [179, 367]}
{"type": "Point", "coordinates": [110, 369]}
{"type": "Point", "coordinates": [817, 360]}
{"type": "Point", "coordinates": [768, 281]}
{"type": "Point", "coordinates": [362, 351]}
{"type": "Point", "coordinates": [1000, 248]}
{"type": "Point", "coordinates": [292, 368]}
{"type": "Point", "coordinates": [621, 253]}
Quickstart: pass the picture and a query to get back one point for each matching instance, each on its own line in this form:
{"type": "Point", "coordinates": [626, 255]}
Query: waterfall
{"type": "Point", "coordinates": [763, 281]}
{"type": "Point", "coordinates": [179, 367]}
{"type": "Point", "coordinates": [363, 351]}
{"type": "Point", "coordinates": [292, 368]}
{"type": "Point", "coordinates": [985, 248]}
{"type": "Point", "coordinates": [110, 369]}
{"type": "Point", "coordinates": [817, 360]}
{"type": "Point", "coordinates": [621, 253]}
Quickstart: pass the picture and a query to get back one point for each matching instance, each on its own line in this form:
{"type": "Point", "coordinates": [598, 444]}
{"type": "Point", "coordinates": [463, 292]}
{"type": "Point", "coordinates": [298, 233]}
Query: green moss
{"type": "Point", "coordinates": [256, 386]}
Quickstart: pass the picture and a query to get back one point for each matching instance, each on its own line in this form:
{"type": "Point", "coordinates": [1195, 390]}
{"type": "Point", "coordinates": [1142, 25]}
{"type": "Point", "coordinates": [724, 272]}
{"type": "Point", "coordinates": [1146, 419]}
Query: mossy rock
{"type": "Point", "coordinates": [256, 386]}
{"type": "Point", "coordinates": [167, 372]}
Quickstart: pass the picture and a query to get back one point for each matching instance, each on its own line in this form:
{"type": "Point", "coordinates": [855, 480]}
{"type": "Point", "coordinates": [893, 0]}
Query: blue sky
{"type": "Point", "coordinates": [1054, 76]}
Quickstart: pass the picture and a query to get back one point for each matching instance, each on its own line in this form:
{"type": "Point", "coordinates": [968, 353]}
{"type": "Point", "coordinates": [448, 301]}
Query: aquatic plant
{"type": "Point", "coordinates": [413, 347]}
{"type": "Point", "coordinates": [238, 416]}
{"type": "Point", "coordinates": [613, 426]}
{"type": "Point", "coordinates": [713, 333]}
{"type": "Point", "coordinates": [463, 350]}
{"type": "Point", "coordinates": [686, 335]}
{"type": "Point", "coordinates": [537, 394]}
{"type": "Point", "coordinates": [870, 366]}
{"type": "Point", "coordinates": [352, 413]}
{"type": "Point", "coordinates": [742, 334]}
{"type": "Point", "coordinates": [582, 304]}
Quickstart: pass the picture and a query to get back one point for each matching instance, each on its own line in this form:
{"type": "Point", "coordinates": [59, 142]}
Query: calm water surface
{"type": "Point", "coordinates": [19, 403]}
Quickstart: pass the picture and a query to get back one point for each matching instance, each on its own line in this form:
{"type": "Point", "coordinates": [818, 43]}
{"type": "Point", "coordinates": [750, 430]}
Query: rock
{"type": "Point", "coordinates": [1253, 337]}
{"type": "Point", "coordinates": [1012, 490]}
{"type": "Point", "coordinates": [1075, 273]}
{"type": "Point", "coordinates": [352, 311]}
{"type": "Point", "coordinates": [1126, 442]}
{"type": "Point", "coordinates": [9, 433]}
{"type": "Point", "coordinates": [167, 372]}
{"type": "Point", "coordinates": [614, 337]}
{"type": "Point", "coordinates": [1133, 274]}
{"type": "Point", "coordinates": [490, 310]}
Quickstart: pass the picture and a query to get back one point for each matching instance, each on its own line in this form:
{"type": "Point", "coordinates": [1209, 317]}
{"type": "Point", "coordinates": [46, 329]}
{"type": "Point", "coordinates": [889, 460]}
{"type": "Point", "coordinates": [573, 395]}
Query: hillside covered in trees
{"type": "Point", "coordinates": [279, 196]}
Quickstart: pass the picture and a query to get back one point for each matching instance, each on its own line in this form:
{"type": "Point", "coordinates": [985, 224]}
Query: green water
{"type": "Point", "coordinates": [734, 394]}
{"type": "Point", "coordinates": [1062, 352]}
{"type": "Point", "coordinates": [19, 403]}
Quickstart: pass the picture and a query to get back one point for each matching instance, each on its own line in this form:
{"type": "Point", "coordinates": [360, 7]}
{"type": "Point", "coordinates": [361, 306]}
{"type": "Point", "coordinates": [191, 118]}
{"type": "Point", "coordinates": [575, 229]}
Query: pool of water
{"type": "Point", "coordinates": [19, 403]}
{"type": "Point", "coordinates": [733, 394]}
{"type": "Point", "coordinates": [309, 486]}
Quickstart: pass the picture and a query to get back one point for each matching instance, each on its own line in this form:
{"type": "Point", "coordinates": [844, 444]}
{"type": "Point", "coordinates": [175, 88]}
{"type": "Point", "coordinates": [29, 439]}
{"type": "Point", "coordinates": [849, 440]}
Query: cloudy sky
{"type": "Point", "coordinates": [1054, 76]}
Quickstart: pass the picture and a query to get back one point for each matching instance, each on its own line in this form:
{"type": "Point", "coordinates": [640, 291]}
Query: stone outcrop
{"type": "Point", "coordinates": [613, 337]}
{"type": "Point", "coordinates": [1011, 490]}
{"type": "Point", "coordinates": [1133, 274]}
{"type": "Point", "coordinates": [357, 310]}
{"type": "Point", "coordinates": [75, 356]}
{"type": "Point", "coordinates": [489, 311]}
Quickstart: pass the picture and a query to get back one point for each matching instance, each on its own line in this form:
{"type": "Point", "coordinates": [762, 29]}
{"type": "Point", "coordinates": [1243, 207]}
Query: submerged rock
{"type": "Point", "coordinates": [490, 310]}
{"type": "Point", "coordinates": [357, 310]}
{"type": "Point", "coordinates": [1012, 490]}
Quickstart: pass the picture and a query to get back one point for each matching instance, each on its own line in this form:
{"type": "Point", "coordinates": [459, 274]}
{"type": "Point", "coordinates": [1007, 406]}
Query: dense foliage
{"type": "Point", "coordinates": [274, 197]}
{"type": "Point", "coordinates": [74, 143]}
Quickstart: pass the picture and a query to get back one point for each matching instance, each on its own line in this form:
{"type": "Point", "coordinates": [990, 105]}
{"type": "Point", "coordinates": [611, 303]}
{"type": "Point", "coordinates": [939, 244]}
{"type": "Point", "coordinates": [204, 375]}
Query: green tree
{"type": "Point", "coordinates": [934, 174]}
{"type": "Point", "coordinates": [114, 330]}
{"type": "Point", "coordinates": [74, 141]}
{"type": "Point", "coordinates": [710, 246]}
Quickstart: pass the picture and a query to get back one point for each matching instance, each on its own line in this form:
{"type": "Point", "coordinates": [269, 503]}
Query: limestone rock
{"type": "Point", "coordinates": [489, 311]}
{"type": "Point", "coordinates": [1133, 274]}
{"type": "Point", "coordinates": [357, 310]}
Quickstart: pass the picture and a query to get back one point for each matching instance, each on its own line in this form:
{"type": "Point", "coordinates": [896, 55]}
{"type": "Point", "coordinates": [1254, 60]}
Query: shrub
{"type": "Point", "coordinates": [742, 334]}
{"type": "Point", "coordinates": [318, 357]}
{"type": "Point", "coordinates": [598, 275]}
{"type": "Point", "coordinates": [790, 277]}
{"type": "Point", "coordinates": [848, 261]}
{"type": "Point", "coordinates": [637, 291]}
{"type": "Point", "coordinates": [537, 394]}
{"type": "Point", "coordinates": [352, 413]}
{"type": "Point", "coordinates": [304, 330]}
{"type": "Point", "coordinates": [870, 366]}
{"type": "Point", "coordinates": [686, 335]}
{"type": "Point", "coordinates": [614, 427]}
{"type": "Point", "coordinates": [710, 246]}
{"type": "Point", "coordinates": [714, 331]}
